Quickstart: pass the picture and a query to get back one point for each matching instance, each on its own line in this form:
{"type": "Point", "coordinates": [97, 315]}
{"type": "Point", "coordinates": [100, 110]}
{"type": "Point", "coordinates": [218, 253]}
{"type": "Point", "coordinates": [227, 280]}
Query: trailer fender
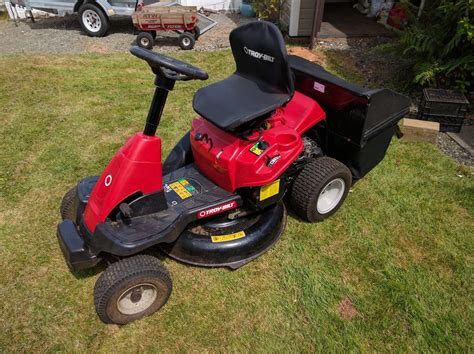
{"type": "Point", "coordinates": [104, 5]}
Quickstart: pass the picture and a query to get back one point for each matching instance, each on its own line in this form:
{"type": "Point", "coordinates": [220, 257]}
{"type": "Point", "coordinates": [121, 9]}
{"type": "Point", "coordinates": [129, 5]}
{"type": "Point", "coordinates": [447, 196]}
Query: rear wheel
{"type": "Point", "coordinates": [145, 40]}
{"type": "Point", "coordinates": [131, 288]}
{"type": "Point", "coordinates": [197, 32]}
{"type": "Point", "coordinates": [186, 41]}
{"type": "Point", "coordinates": [320, 189]}
{"type": "Point", "coordinates": [67, 208]}
{"type": "Point", "coordinates": [93, 20]}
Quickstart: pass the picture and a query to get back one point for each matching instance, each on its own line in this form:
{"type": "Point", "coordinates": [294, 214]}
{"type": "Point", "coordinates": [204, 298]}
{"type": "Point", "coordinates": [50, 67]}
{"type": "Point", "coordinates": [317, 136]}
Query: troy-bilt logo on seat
{"type": "Point", "coordinates": [216, 210]}
{"type": "Point", "coordinates": [259, 55]}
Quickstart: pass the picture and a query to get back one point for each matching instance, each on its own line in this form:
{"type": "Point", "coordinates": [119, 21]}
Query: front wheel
{"type": "Point", "coordinates": [320, 189]}
{"type": "Point", "coordinates": [131, 288]}
{"type": "Point", "coordinates": [145, 40]}
{"type": "Point", "coordinates": [186, 41]}
{"type": "Point", "coordinates": [68, 204]}
{"type": "Point", "coordinates": [93, 20]}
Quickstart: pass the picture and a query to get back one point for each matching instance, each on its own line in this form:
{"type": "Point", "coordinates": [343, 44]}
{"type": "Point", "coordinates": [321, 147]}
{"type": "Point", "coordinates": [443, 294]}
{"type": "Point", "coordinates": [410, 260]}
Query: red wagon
{"type": "Point", "coordinates": [152, 18]}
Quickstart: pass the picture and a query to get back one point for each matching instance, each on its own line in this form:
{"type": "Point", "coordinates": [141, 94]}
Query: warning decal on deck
{"type": "Point", "coordinates": [183, 188]}
{"type": "Point", "coordinates": [270, 190]}
{"type": "Point", "coordinates": [229, 237]}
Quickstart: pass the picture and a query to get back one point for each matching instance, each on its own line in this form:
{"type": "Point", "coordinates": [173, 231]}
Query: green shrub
{"type": "Point", "coordinates": [3, 15]}
{"type": "Point", "coordinates": [267, 9]}
{"type": "Point", "coordinates": [440, 45]}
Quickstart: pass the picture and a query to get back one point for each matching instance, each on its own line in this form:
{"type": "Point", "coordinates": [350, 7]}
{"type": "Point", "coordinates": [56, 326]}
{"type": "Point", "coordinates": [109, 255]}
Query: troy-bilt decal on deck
{"type": "Point", "coordinates": [216, 210]}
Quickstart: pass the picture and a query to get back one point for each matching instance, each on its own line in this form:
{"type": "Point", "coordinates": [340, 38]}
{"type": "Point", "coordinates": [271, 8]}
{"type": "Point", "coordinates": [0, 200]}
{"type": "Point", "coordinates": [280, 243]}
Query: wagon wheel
{"type": "Point", "coordinates": [196, 32]}
{"type": "Point", "coordinates": [186, 41]}
{"type": "Point", "coordinates": [145, 40]}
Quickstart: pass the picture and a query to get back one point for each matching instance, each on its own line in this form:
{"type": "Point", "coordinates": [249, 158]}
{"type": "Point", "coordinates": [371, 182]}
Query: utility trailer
{"type": "Point", "coordinates": [94, 15]}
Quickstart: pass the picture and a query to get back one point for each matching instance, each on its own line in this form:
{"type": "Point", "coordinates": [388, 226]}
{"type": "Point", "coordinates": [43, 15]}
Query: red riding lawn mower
{"type": "Point", "coordinates": [280, 126]}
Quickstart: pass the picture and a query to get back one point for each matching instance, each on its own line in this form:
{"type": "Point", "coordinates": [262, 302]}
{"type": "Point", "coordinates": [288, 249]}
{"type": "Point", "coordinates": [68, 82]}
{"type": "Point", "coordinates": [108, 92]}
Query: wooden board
{"type": "Point", "coordinates": [420, 130]}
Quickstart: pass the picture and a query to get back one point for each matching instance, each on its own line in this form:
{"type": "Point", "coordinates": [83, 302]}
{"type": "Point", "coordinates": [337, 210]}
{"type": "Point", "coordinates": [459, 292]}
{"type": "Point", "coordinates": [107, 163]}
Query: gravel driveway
{"type": "Point", "coordinates": [64, 35]}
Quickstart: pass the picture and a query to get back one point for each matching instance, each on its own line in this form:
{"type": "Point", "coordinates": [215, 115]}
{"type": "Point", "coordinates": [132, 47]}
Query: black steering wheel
{"type": "Point", "coordinates": [170, 68]}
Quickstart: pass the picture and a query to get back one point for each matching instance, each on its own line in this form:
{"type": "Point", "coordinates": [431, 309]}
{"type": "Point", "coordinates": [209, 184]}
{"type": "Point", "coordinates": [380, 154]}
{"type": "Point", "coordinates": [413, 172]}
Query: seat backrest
{"type": "Point", "coordinates": [260, 55]}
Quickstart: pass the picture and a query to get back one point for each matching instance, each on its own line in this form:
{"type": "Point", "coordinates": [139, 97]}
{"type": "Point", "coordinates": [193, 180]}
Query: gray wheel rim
{"type": "Point", "coordinates": [144, 42]}
{"type": "Point", "coordinates": [186, 41]}
{"type": "Point", "coordinates": [330, 195]}
{"type": "Point", "coordinates": [91, 20]}
{"type": "Point", "coordinates": [137, 298]}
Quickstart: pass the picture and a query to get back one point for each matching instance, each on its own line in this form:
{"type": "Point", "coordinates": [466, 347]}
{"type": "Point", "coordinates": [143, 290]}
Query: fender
{"type": "Point", "coordinates": [104, 5]}
{"type": "Point", "coordinates": [135, 168]}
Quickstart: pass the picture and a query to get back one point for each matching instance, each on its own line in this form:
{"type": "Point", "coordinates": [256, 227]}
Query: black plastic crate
{"type": "Point", "coordinates": [447, 107]}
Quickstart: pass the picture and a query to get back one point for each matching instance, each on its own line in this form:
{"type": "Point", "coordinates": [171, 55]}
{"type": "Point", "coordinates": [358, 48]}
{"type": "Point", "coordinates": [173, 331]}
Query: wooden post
{"type": "Point", "coordinates": [317, 20]}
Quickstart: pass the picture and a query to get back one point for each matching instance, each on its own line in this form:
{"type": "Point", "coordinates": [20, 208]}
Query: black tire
{"type": "Point", "coordinates": [196, 32]}
{"type": "Point", "coordinates": [129, 277]}
{"type": "Point", "coordinates": [313, 180]}
{"type": "Point", "coordinates": [186, 41]}
{"type": "Point", "coordinates": [99, 18]}
{"type": "Point", "coordinates": [145, 40]}
{"type": "Point", "coordinates": [68, 205]}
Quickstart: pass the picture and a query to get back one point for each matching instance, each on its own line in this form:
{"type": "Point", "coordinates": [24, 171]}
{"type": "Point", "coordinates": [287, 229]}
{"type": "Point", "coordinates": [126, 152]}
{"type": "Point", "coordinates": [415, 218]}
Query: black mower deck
{"type": "Point", "coordinates": [189, 196]}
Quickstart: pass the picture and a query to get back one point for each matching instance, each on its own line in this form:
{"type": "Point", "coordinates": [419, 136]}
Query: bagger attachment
{"type": "Point", "coordinates": [359, 122]}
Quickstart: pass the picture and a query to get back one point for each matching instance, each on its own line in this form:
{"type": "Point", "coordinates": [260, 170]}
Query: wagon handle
{"type": "Point", "coordinates": [168, 67]}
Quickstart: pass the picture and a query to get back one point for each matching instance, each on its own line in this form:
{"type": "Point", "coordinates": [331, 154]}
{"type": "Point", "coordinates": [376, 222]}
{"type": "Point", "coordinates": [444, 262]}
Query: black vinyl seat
{"type": "Point", "coordinates": [262, 82]}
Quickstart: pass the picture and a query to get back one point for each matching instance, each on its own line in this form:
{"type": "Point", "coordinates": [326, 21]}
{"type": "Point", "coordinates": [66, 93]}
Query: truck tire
{"type": "Point", "coordinates": [320, 189]}
{"type": "Point", "coordinates": [131, 288]}
{"type": "Point", "coordinates": [93, 20]}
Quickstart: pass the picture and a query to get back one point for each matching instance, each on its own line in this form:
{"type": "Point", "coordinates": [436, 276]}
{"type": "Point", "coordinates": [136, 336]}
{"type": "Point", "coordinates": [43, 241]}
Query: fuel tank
{"type": "Point", "coordinates": [233, 162]}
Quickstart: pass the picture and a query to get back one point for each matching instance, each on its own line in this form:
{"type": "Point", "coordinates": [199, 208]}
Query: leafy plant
{"type": "Point", "coordinates": [441, 45]}
{"type": "Point", "coordinates": [3, 15]}
{"type": "Point", "coordinates": [268, 10]}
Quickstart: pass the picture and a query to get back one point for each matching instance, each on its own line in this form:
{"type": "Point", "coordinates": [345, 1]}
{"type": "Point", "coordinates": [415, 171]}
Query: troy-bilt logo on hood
{"type": "Point", "coordinates": [216, 210]}
{"type": "Point", "coordinates": [259, 55]}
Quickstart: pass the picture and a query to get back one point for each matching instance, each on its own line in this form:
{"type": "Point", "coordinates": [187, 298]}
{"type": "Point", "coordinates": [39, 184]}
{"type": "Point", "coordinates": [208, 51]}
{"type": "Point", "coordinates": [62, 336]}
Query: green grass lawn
{"type": "Point", "coordinates": [391, 271]}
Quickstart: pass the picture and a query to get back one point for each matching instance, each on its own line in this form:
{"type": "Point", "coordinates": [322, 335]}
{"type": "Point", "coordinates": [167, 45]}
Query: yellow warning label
{"type": "Point", "coordinates": [180, 190]}
{"type": "Point", "coordinates": [184, 182]}
{"type": "Point", "coordinates": [256, 150]}
{"type": "Point", "coordinates": [229, 237]}
{"type": "Point", "coordinates": [270, 190]}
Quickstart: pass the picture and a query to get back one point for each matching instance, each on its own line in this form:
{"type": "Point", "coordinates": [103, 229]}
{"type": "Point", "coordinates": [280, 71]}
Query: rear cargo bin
{"type": "Point", "coordinates": [359, 123]}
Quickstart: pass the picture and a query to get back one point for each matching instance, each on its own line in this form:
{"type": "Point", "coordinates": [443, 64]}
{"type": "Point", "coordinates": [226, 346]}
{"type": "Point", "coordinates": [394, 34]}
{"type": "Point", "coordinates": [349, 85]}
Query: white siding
{"type": "Point", "coordinates": [227, 5]}
{"type": "Point", "coordinates": [293, 29]}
